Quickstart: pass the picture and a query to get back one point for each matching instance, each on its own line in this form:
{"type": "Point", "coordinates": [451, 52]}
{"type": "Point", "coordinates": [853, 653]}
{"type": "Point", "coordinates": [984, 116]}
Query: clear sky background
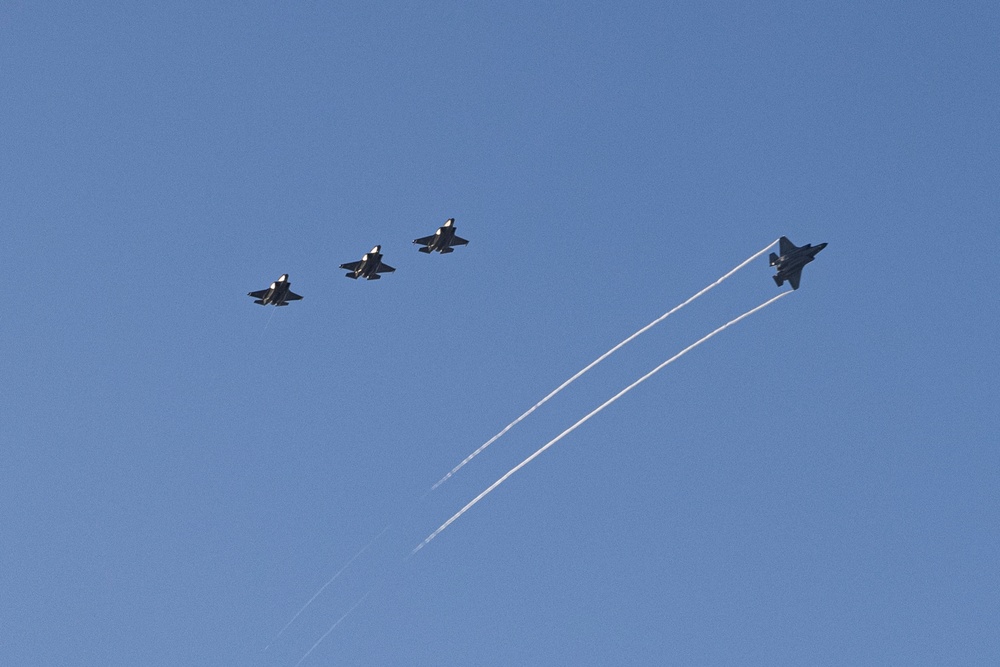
{"type": "Point", "coordinates": [182, 470]}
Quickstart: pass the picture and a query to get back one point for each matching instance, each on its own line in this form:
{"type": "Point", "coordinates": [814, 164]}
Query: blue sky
{"type": "Point", "coordinates": [183, 470]}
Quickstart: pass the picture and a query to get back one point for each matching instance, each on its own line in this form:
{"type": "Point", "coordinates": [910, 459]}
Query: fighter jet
{"type": "Point", "coordinates": [369, 267]}
{"type": "Point", "coordinates": [442, 240]}
{"type": "Point", "coordinates": [277, 294]}
{"type": "Point", "coordinates": [789, 265]}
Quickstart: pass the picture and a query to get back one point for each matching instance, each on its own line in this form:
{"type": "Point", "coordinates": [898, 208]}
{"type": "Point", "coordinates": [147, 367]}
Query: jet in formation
{"type": "Point", "coordinates": [789, 264]}
{"type": "Point", "coordinates": [442, 240]}
{"type": "Point", "coordinates": [369, 266]}
{"type": "Point", "coordinates": [277, 294]}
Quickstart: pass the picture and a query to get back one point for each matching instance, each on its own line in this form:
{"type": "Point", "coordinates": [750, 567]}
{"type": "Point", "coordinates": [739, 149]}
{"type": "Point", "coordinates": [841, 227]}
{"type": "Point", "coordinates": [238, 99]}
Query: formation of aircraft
{"type": "Point", "coordinates": [368, 267]}
{"type": "Point", "coordinates": [789, 264]}
{"type": "Point", "coordinates": [277, 294]}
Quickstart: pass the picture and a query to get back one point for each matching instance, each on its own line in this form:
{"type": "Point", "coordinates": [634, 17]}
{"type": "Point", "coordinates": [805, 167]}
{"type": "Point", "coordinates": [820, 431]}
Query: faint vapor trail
{"type": "Point", "coordinates": [276, 310]}
{"type": "Point", "coordinates": [323, 588]}
{"type": "Point", "coordinates": [597, 361]}
{"type": "Point", "coordinates": [582, 421]}
{"type": "Point", "coordinates": [320, 640]}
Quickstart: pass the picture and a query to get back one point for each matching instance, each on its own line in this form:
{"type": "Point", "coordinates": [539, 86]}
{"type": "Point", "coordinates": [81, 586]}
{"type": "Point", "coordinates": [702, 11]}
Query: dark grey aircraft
{"type": "Point", "coordinates": [370, 266]}
{"type": "Point", "coordinates": [278, 293]}
{"type": "Point", "coordinates": [442, 240]}
{"type": "Point", "coordinates": [789, 265]}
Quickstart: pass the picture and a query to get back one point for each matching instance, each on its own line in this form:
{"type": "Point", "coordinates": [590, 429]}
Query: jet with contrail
{"type": "Point", "coordinates": [277, 294]}
{"type": "Point", "coordinates": [789, 264]}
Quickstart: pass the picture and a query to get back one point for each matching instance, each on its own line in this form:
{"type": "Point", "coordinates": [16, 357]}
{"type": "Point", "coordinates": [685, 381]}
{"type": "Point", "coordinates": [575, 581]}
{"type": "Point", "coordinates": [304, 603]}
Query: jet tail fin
{"type": "Point", "coordinates": [778, 281]}
{"type": "Point", "coordinates": [774, 259]}
{"type": "Point", "coordinates": [261, 302]}
{"type": "Point", "coordinates": [425, 249]}
{"type": "Point", "coordinates": [445, 251]}
{"type": "Point", "coordinates": [351, 275]}
{"type": "Point", "coordinates": [374, 276]}
{"type": "Point", "coordinates": [785, 246]}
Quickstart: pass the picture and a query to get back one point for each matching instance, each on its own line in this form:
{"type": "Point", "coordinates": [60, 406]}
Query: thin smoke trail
{"type": "Point", "coordinates": [585, 419]}
{"type": "Point", "coordinates": [597, 361]}
{"type": "Point", "coordinates": [323, 587]}
{"type": "Point", "coordinates": [332, 627]}
{"type": "Point", "coordinates": [271, 318]}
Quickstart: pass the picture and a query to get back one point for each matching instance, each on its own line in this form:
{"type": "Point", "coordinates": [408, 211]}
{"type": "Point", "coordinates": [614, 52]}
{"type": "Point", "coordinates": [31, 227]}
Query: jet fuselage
{"type": "Point", "coordinates": [443, 236]}
{"type": "Point", "coordinates": [788, 264]}
{"type": "Point", "coordinates": [369, 264]}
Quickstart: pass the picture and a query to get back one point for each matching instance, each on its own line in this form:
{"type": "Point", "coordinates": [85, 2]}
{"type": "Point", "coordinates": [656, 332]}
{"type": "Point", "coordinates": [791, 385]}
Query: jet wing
{"type": "Point", "coordinates": [458, 240]}
{"type": "Point", "coordinates": [426, 240]}
{"type": "Point", "coordinates": [259, 294]}
{"type": "Point", "coordinates": [793, 278]}
{"type": "Point", "coordinates": [385, 268]}
{"type": "Point", "coordinates": [352, 266]}
{"type": "Point", "coordinates": [292, 296]}
{"type": "Point", "coordinates": [786, 246]}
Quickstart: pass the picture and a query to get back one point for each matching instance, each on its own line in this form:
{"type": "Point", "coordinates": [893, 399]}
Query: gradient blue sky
{"type": "Point", "coordinates": [180, 472]}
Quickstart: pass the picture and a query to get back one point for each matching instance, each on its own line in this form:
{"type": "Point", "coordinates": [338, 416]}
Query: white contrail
{"type": "Point", "coordinates": [320, 640]}
{"type": "Point", "coordinates": [582, 421]}
{"type": "Point", "coordinates": [597, 361]}
{"type": "Point", "coordinates": [323, 587]}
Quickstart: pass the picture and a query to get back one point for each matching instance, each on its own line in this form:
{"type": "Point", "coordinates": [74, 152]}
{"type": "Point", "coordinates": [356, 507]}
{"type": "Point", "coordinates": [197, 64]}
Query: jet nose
{"type": "Point", "coordinates": [820, 246]}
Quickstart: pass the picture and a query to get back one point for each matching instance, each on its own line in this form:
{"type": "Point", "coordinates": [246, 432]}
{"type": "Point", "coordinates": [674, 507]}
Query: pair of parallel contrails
{"type": "Point", "coordinates": [559, 437]}
{"type": "Point", "coordinates": [368, 267]}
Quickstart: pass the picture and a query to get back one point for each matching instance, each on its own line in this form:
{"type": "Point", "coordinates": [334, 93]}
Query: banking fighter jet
{"type": "Point", "coordinates": [789, 265]}
{"type": "Point", "coordinates": [277, 294]}
{"type": "Point", "coordinates": [370, 266]}
{"type": "Point", "coordinates": [442, 240]}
